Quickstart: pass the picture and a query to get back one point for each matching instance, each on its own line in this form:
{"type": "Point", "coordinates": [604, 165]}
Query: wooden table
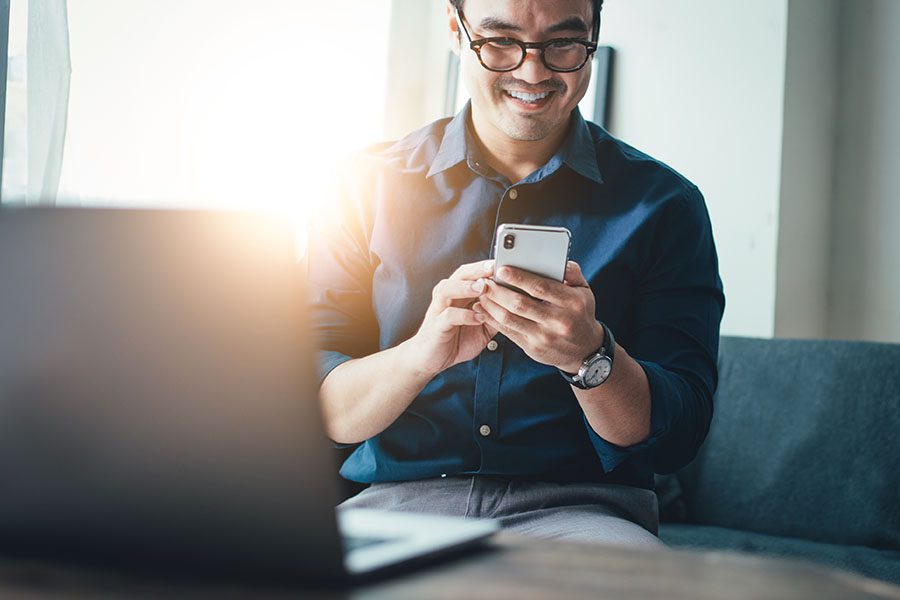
{"type": "Point", "coordinates": [511, 567]}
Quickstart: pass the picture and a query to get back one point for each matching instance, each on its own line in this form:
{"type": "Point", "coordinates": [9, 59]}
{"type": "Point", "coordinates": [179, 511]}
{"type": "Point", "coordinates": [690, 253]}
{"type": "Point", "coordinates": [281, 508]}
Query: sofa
{"type": "Point", "coordinates": [802, 458]}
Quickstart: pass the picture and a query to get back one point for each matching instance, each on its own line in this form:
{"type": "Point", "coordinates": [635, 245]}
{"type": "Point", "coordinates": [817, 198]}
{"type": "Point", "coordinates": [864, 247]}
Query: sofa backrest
{"type": "Point", "coordinates": [804, 442]}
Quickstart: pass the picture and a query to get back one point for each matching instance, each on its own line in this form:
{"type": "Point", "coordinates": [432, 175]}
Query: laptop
{"type": "Point", "coordinates": [158, 404]}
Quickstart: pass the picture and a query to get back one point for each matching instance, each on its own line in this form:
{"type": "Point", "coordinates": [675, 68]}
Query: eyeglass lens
{"type": "Point", "coordinates": [504, 56]}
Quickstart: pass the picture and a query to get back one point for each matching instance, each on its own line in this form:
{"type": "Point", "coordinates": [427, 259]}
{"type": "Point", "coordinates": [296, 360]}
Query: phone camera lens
{"type": "Point", "coordinates": [509, 241]}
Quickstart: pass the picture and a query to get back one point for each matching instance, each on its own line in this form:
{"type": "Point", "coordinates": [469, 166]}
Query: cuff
{"type": "Point", "coordinates": [328, 361]}
{"type": "Point", "coordinates": [665, 408]}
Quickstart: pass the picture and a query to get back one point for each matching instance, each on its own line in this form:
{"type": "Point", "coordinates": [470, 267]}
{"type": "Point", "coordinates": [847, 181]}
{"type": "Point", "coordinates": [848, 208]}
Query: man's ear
{"type": "Point", "coordinates": [453, 32]}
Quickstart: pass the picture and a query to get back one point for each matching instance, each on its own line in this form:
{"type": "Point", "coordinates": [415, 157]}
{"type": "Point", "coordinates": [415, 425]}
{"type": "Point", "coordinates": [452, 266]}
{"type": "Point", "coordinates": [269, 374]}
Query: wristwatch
{"type": "Point", "coordinates": [597, 366]}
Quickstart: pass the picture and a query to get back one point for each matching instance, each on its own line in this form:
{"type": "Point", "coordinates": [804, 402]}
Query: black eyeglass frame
{"type": "Point", "coordinates": [475, 46]}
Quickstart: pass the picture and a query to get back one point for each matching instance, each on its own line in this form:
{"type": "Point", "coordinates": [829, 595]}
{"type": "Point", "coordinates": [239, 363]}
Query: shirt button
{"type": "Point", "coordinates": [513, 194]}
{"type": "Point", "coordinates": [484, 430]}
{"type": "Point", "coordinates": [492, 345]}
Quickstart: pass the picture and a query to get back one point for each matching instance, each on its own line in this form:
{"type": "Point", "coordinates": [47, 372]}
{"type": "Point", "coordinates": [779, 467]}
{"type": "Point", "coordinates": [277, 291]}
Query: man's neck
{"type": "Point", "coordinates": [515, 159]}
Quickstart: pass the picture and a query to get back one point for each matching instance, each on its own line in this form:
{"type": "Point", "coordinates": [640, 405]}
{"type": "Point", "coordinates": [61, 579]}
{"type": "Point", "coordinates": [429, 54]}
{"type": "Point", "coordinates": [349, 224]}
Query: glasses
{"type": "Point", "coordinates": [504, 54]}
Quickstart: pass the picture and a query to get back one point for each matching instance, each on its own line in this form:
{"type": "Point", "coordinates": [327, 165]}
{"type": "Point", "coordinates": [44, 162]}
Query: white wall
{"type": "Point", "coordinates": [865, 265]}
{"type": "Point", "coordinates": [699, 84]}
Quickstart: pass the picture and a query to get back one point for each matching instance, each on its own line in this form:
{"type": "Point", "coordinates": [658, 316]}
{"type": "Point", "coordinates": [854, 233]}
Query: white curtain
{"type": "Point", "coordinates": [37, 101]}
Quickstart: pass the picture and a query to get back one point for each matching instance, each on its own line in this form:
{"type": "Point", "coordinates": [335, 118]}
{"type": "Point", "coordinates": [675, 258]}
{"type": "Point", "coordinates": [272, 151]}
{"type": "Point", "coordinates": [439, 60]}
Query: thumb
{"type": "Point", "coordinates": [574, 277]}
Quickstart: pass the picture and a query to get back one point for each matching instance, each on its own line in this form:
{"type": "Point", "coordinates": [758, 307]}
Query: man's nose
{"type": "Point", "coordinates": [533, 69]}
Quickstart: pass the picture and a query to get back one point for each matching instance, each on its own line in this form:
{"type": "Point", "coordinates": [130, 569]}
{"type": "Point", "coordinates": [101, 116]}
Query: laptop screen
{"type": "Point", "coordinates": [156, 397]}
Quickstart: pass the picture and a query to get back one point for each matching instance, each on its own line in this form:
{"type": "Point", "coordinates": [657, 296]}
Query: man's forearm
{"type": "Point", "coordinates": [362, 397]}
{"type": "Point", "coordinates": [619, 410]}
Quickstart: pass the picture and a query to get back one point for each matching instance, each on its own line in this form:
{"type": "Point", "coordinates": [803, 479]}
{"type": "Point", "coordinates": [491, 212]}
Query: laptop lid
{"type": "Point", "coordinates": [156, 399]}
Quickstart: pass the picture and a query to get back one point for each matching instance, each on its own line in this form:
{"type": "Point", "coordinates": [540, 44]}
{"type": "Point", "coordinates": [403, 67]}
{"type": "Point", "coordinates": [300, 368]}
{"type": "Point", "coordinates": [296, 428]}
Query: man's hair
{"type": "Point", "coordinates": [595, 26]}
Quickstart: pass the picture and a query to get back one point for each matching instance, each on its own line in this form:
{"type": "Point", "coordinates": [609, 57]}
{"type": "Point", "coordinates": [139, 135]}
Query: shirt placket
{"type": "Point", "coordinates": [485, 418]}
{"type": "Point", "coordinates": [486, 414]}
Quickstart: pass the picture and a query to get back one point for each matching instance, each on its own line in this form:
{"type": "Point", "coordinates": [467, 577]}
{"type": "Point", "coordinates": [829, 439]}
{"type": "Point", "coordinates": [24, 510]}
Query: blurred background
{"type": "Point", "coordinates": [783, 112]}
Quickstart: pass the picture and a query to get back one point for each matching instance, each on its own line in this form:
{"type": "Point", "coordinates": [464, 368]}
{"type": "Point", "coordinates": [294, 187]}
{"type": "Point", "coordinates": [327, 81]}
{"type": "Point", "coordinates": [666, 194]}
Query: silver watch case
{"type": "Point", "coordinates": [594, 371]}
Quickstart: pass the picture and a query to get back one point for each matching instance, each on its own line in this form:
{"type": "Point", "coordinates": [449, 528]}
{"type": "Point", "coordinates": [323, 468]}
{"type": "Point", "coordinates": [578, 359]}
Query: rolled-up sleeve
{"type": "Point", "coordinates": [673, 334]}
{"type": "Point", "coordinates": [340, 271]}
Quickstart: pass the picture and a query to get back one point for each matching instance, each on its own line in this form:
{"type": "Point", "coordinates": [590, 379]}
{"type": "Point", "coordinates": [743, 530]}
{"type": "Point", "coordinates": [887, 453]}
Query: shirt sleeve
{"type": "Point", "coordinates": [340, 271]}
{"type": "Point", "coordinates": [673, 333]}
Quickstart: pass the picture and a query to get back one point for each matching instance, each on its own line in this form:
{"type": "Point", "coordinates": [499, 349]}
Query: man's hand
{"type": "Point", "coordinates": [556, 327]}
{"type": "Point", "coordinates": [452, 332]}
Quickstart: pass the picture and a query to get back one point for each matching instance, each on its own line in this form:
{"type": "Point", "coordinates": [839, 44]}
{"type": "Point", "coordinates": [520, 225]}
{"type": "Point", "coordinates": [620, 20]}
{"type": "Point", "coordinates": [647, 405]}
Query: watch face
{"type": "Point", "coordinates": [597, 371]}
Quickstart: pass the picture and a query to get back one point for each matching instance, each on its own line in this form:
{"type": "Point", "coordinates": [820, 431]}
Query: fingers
{"type": "Point", "coordinates": [518, 303]}
{"type": "Point", "coordinates": [453, 317]}
{"type": "Point", "coordinates": [466, 283]}
{"type": "Point", "coordinates": [475, 270]}
{"type": "Point", "coordinates": [541, 288]}
{"type": "Point", "coordinates": [448, 290]}
{"type": "Point", "coordinates": [511, 325]}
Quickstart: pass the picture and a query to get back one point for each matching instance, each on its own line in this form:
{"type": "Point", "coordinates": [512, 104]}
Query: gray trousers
{"type": "Point", "coordinates": [585, 512]}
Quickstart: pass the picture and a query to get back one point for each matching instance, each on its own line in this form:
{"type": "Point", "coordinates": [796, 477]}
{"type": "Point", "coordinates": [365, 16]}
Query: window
{"type": "Point", "coordinates": [219, 104]}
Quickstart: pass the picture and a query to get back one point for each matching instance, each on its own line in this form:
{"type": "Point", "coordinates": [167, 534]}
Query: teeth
{"type": "Point", "coordinates": [528, 97]}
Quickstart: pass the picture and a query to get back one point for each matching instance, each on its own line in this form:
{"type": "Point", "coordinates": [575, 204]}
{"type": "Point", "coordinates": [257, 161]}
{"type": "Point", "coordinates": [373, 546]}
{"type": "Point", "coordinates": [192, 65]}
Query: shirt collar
{"type": "Point", "coordinates": [452, 150]}
{"type": "Point", "coordinates": [577, 151]}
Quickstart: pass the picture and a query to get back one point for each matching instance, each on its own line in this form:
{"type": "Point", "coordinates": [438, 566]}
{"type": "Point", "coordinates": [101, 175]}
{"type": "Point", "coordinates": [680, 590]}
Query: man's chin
{"type": "Point", "coordinates": [526, 130]}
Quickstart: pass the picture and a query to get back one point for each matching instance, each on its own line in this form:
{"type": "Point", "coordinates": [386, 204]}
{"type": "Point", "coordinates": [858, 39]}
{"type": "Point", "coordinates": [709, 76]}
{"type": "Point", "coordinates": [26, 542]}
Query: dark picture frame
{"type": "Point", "coordinates": [603, 64]}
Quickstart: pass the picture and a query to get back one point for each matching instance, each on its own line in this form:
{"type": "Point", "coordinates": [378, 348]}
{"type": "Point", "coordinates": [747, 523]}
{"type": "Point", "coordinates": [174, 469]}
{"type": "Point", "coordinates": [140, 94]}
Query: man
{"type": "Point", "coordinates": [464, 397]}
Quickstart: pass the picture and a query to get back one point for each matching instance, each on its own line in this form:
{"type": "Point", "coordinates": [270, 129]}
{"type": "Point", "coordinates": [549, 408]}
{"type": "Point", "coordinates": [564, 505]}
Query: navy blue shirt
{"type": "Point", "coordinates": [410, 213]}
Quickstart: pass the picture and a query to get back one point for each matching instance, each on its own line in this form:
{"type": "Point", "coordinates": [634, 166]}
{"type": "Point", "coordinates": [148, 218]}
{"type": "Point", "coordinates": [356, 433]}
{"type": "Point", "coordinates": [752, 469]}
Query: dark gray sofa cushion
{"type": "Point", "coordinates": [881, 564]}
{"type": "Point", "coordinates": [804, 443]}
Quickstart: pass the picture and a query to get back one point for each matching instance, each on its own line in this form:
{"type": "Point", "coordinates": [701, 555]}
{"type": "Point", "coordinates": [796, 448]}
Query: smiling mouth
{"type": "Point", "coordinates": [529, 100]}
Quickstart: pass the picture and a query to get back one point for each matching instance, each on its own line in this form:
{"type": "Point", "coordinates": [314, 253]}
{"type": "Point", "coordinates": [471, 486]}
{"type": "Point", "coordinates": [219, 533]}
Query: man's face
{"type": "Point", "coordinates": [493, 94]}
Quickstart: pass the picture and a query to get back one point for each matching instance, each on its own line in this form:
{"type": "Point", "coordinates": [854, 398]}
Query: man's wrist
{"type": "Point", "coordinates": [573, 367]}
{"type": "Point", "coordinates": [410, 361]}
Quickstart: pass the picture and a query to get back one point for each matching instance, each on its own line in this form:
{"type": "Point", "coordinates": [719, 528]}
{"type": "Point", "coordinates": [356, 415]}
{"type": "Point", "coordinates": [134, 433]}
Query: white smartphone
{"type": "Point", "coordinates": [539, 249]}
